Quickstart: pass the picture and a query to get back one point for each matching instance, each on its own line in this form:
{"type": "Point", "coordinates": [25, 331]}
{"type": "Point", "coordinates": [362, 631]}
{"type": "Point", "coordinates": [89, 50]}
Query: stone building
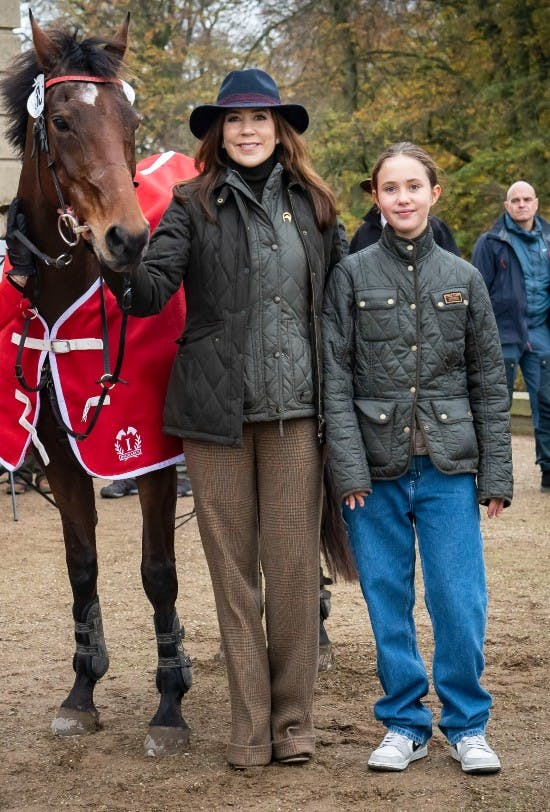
{"type": "Point", "coordinates": [10, 46]}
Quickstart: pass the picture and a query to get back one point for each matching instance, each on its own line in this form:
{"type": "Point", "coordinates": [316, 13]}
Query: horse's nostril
{"type": "Point", "coordinates": [126, 246]}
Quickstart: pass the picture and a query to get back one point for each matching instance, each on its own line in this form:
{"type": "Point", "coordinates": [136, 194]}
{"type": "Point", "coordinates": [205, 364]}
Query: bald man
{"type": "Point", "coordinates": [514, 260]}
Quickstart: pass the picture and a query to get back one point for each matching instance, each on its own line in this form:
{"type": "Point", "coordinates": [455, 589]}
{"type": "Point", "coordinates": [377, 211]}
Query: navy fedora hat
{"type": "Point", "coordinates": [247, 88]}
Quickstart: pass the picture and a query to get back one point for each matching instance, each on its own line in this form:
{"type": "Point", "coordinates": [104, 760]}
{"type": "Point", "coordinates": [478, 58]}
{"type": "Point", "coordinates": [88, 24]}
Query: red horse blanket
{"type": "Point", "coordinates": [127, 439]}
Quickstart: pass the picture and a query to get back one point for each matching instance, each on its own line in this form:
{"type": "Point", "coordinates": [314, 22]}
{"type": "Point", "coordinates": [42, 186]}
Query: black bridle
{"type": "Point", "coordinates": [70, 231]}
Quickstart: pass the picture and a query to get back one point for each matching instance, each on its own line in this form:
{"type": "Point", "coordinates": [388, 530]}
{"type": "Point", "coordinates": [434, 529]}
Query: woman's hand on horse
{"type": "Point", "coordinates": [20, 257]}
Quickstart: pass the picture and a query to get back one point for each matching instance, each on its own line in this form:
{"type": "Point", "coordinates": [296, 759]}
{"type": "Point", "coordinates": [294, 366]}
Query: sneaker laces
{"type": "Point", "coordinates": [479, 742]}
{"type": "Point", "coordinates": [392, 738]}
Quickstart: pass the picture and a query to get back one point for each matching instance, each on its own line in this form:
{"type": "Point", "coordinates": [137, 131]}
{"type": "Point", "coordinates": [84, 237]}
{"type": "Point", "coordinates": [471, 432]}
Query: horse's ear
{"type": "Point", "coordinates": [45, 48]}
{"type": "Point", "coordinates": [117, 46]}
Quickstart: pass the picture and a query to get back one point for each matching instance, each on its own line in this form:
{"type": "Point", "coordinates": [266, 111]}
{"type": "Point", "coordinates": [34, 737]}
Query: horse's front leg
{"type": "Point", "coordinates": [168, 730]}
{"type": "Point", "coordinates": [73, 491]}
{"type": "Point", "coordinates": [78, 714]}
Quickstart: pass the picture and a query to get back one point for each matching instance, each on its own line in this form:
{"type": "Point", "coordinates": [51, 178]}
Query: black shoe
{"type": "Point", "coordinates": [184, 487]}
{"type": "Point", "coordinates": [545, 482]}
{"type": "Point", "coordinates": [118, 488]}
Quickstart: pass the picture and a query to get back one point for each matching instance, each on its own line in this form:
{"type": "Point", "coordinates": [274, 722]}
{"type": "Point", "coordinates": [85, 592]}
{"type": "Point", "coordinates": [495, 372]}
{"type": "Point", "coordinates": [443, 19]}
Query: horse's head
{"type": "Point", "coordinates": [83, 139]}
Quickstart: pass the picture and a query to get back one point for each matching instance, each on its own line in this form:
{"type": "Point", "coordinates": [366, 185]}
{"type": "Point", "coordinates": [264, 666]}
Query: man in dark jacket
{"type": "Point", "coordinates": [514, 260]}
{"type": "Point", "coordinates": [370, 229]}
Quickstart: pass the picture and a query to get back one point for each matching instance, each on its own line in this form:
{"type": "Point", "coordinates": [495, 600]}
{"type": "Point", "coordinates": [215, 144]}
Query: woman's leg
{"type": "Point", "coordinates": [451, 550]}
{"type": "Point", "coordinates": [290, 502]}
{"type": "Point", "coordinates": [383, 542]}
{"type": "Point", "coordinates": [225, 495]}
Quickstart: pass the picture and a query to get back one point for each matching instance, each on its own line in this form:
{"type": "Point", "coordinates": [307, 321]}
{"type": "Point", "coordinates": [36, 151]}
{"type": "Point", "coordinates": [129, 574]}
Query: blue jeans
{"type": "Point", "coordinates": [529, 361]}
{"type": "Point", "coordinates": [543, 434]}
{"type": "Point", "coordinates": [443, 512]}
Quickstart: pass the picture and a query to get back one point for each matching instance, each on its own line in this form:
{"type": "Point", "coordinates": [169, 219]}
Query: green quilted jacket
{"type": "Point", "coordinates": [410, 339]}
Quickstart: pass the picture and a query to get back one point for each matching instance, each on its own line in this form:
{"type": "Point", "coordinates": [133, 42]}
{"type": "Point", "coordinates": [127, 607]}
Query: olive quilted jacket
{"type": "Point", "coordinates": [410, 339]}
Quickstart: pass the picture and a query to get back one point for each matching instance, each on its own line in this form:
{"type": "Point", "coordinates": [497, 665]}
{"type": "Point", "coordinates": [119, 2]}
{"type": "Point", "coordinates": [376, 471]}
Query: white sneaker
{"type": "Point", "coordinates": [475, 755]}
{"type": "Point", "coordinates": [395, 752]}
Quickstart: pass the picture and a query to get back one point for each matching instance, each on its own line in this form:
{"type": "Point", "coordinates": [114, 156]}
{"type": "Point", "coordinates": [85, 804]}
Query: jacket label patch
{"type": "Point", "coordinates": [453, 298]}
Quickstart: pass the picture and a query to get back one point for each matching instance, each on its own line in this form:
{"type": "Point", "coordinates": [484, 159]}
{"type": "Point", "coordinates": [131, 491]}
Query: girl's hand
{"type": "Point", "coordinates": [354, 498]}
{"type": "Point", "coordinates": [495, 508]}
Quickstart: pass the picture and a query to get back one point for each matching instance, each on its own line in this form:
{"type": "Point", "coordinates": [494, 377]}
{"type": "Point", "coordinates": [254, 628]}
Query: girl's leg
{"type": "Point", "coordinates": [225, 494]}
{"type": "Point", "coordinates": [290, 501]}
{"type": "Point", "coordinates": [383, 543]}
{"type": "Point", "coordinates": [451, 549]}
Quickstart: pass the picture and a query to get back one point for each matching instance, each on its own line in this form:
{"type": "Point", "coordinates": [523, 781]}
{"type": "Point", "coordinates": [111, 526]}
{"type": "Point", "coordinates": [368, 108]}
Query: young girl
{"type": "Point", "coordinates": [418, 434]}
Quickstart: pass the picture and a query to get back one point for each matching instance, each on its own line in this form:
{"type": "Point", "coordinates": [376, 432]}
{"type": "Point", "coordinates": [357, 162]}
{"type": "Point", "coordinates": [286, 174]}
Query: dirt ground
{"type": "Point", "coordinates": [108, 770]}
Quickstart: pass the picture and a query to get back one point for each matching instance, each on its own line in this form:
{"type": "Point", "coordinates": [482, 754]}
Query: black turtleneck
{"type": "Point", "coordinates": [255, 176]}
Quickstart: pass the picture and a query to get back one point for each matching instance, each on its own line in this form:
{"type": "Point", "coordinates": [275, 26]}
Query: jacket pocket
{"type": "Point", "coordinates": [377, 316]}
{"type": "Point", "coordinates": [300, 374]}
{"type": "Point", "coordinates": [451, 307]}
{"type": "Point", "coordinates": [454, 429]}
{"type": "Point", "coordinates": [376, 421]}
{"type": "Point", "coordinates": [197, 388]}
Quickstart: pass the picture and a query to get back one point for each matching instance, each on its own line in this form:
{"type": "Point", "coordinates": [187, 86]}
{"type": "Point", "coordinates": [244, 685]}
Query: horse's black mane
{"type": "Point", "coordinates": [86, 56]}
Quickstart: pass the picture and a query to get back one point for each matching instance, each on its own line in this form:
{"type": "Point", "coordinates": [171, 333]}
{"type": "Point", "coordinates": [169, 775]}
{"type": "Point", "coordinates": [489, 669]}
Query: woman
{"type": "Point", "coordinates": [252, 237]}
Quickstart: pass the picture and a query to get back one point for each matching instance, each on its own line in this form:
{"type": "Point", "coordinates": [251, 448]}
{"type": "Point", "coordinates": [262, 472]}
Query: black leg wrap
{"type": "Point", "coordinates": [93, 647]}
{"type": "Point", "coordinates": [180, 660]}
{"type": "Point", "coordinates": [324, 601]}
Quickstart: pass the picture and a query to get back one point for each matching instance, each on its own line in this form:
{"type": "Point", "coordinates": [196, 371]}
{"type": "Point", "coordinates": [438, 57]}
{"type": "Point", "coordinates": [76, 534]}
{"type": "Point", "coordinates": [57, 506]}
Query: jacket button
{"type": "Point", "coordinates": [407, 430]}
{"type": "Point", "coordinates": [391, 301]}
{"type": "Point", "coordinates": [362, 303]}
{"type": "Point", "coordinates": [219, 200]}
{"type": "Point", "coordinates": [414, 348]}
{"type": "Point", "coordinates": [412, 389]}
{"type": "Point", "coordinates": [410, 267]}
{"type": "Point", "coordinates": [443, 416]}
{"type": "Point", "coordinates": [383, 416]}
{"type": "Point", "coordinates": [440, 304]}
{"type": "Point", "coordinates": [412, 306]}
{"type": "Point", "coordinates": [276, 354]}
{"type": "Point", "coordinates": [410, 247]}
{"type": "Point", "coordinates": [466, 302]}
{"type": "Point", "coordinates": [276, 299]}
{"type": "Point", "coordinates": [274, 247]}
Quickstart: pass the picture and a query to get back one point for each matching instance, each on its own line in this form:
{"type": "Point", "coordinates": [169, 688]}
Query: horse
{"type": "Point", "coordinates": [74, 129]}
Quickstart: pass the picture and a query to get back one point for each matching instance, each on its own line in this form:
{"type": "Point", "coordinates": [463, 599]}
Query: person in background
{"type": "Point", "coordinates": [128, 487]}
{"type": "Point", "coordinates": [370, 229]}
{"type": "Point", "coordinates": [418, 435]}
{"type": "Point", "coordinates": [253, 238]}
{"type": "Point", "coordinates": [29, 472]}
{"type": "Point", "coordinates": [514, 260]}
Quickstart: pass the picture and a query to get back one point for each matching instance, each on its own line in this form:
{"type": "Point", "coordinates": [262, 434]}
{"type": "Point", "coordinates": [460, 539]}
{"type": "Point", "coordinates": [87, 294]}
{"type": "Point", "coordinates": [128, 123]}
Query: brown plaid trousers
{"type": "Point", "coordinates": [260, 504]}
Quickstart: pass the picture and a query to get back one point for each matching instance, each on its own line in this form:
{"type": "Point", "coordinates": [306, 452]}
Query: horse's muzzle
{"type": "Point", "coordinates": [125, 247]}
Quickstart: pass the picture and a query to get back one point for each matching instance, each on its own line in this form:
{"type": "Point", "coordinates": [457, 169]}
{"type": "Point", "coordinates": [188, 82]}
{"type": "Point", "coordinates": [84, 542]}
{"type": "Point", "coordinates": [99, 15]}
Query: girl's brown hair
{"type": "Point", "coordinates": [292, 154]}
{"type": "Point", "coordinates": [411, 151]}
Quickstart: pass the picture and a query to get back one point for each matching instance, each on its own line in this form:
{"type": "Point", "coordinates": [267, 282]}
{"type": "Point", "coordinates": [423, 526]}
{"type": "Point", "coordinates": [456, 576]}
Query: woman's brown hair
{"type": "Point", "coordinates": [292, 154]}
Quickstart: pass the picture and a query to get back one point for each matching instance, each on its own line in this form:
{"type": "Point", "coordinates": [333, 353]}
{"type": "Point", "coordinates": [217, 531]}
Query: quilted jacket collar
{"type": "Point", "coordinates": [421, 245]}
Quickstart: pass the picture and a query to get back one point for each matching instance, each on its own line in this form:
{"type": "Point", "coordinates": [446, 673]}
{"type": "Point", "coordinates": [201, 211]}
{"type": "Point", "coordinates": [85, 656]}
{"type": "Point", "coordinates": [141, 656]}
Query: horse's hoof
{"type": "Point", "coordinates": [325, 658]}
{"type": "Point", "coordinates": [166, 741]}
{"type": "Point", "coordinates": [72, 722]}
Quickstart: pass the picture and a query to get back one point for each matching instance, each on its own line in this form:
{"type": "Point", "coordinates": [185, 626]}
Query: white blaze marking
{"type": "Point", "coordinates": [88, 93]}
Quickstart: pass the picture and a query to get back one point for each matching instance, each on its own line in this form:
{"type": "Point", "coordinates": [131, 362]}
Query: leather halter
{"type": "Point", "coordinates": [68, 220]}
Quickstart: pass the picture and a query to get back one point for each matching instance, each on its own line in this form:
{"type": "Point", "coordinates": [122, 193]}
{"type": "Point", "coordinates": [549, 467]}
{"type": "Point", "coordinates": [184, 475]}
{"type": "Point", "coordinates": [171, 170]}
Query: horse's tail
{"type": "Point", "coordinates": [335, 545]}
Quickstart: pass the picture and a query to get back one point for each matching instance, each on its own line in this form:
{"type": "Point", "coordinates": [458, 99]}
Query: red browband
{"type": "Point", "coordinates": [96, 79]}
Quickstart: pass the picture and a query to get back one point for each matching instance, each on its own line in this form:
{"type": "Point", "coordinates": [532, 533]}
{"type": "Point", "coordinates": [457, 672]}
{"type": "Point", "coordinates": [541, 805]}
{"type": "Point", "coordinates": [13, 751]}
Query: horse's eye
{"type": "Point", "coordinates": [60, 124]}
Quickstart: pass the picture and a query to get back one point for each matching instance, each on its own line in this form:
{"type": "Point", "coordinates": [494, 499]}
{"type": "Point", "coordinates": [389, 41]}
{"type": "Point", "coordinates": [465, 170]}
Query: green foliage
{"type": "Point", "coordinates": [466, 79]}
